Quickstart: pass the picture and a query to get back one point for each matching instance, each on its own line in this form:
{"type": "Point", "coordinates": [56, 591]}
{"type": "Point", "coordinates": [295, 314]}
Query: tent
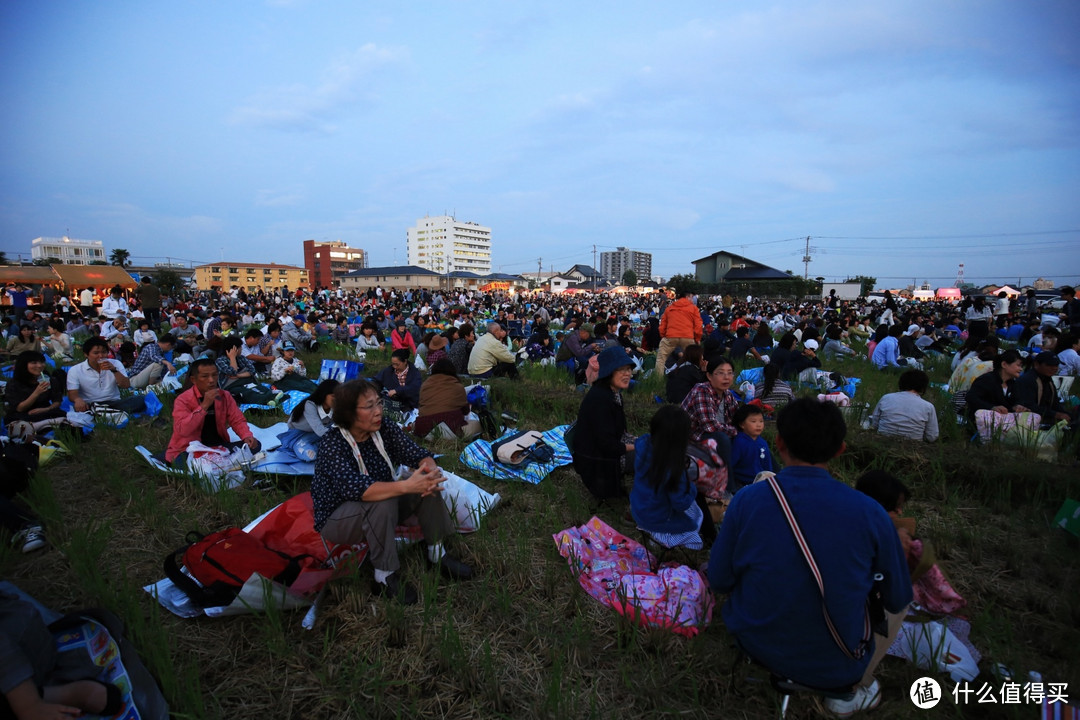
{"type": "Point", "coordinates": [27, 274]}
{"type": "Point", "coordinates": [96, 276]}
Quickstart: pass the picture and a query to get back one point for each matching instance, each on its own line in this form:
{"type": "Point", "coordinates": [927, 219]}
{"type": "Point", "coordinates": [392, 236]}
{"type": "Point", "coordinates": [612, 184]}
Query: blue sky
{"type": "Point", "coordinates": [902, 137]}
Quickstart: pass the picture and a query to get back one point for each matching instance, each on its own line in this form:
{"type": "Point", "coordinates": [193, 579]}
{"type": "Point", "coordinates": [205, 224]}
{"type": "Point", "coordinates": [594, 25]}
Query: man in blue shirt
{"type": "Point", "coordinates": [775, 605]}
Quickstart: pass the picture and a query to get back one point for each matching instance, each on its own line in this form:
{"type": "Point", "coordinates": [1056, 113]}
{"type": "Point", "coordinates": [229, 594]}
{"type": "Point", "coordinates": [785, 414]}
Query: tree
{"type": "Point", "coordinates": [120, 257]}
{"type": "Point", "coordinates": [169, 281]}
{"type": "Point", "coordinates": [629, 278]}
{"type": "Point", "coordinates": [684, 283]}
{"type": "Point", "coordinates": [3, 258]}
{"type": "Point", "coordinates": [49, 261]}
{"type": "Point", "coordinates": [867, 283]}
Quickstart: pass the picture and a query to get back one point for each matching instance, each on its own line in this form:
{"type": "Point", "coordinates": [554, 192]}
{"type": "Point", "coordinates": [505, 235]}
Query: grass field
{"type": "Point", "coordinates": [522, 640]}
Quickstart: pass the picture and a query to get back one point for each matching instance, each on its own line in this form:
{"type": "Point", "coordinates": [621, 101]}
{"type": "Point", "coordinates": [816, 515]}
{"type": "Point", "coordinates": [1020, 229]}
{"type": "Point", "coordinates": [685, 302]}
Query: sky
{"type": "Point", "coordinates": [903, 138]}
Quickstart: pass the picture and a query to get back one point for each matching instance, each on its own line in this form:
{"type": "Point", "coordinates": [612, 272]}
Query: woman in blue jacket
{"type": "Point", "coordinates": [664, 500]}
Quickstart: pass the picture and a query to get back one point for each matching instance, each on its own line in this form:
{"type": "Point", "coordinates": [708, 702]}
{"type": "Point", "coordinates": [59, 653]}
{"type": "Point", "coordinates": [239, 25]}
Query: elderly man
{"type": "Point", "coordinates": [118, 326]}
{"type": "Point", "coordinates": [490, 357]}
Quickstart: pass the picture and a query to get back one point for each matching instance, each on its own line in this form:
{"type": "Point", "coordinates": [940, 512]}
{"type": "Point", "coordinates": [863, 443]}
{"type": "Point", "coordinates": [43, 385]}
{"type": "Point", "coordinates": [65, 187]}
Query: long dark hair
{"type": "Point", "coordinates": [771, 374]}
{"type": "Point", "coordinates": [669, 431]}
{"type": "Point", "coordinates": [325, 388]}
{"type": "Point", "coordinates": [21, 372]}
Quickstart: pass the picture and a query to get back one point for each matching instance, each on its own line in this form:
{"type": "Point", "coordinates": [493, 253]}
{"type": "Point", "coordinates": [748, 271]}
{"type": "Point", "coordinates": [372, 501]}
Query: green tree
{"type": "Point", "coordinates": [49, 261]}
{"type": "Point", "coordinates": [98, 262]}
{"type": "Point", "coordinates": [169, 281]}
{"type": "Point", "coordinates": [3, 258]}
{"type": "Point", "coordinates": [120, 257]}
{"type": "Point", "coordinates": [684, 283]}
{"type": "Point", "coordinates": [629, 278]}
{"type": "Point", "coordinates": [866, 282]}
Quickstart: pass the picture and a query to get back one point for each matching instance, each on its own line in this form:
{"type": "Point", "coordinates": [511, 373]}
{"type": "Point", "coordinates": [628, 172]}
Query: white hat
{"type": "Point", "coordinates": [811, 344]}
{"type": "Point", "coordinates": [912, 329]}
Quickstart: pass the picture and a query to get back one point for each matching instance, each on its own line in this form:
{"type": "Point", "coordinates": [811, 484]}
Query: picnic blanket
{"type": "Point", "coordinates": [98, 635]}
{"type": "Point", "coordinates": [276, 462]}
{"type": "Point", "coordinates": [618, 572]}
{"type": "Point", "coordinates": [292, 399]}
{"type": "Point", "coordinates": [478, 456]}
{"type": "Point", "coordinates": [290, 528]}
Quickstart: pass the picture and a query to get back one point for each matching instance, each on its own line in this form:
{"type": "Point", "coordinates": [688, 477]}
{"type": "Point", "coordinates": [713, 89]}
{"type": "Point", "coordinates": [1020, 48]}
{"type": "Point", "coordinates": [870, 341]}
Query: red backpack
{"type": "Point", "coordinates": [222, 562]}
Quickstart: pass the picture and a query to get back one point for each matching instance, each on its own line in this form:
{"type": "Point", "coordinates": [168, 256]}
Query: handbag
{"type": "Point", "coordinates": [874, 614]}
{"type": "Point", "coordinates": [522, 448]}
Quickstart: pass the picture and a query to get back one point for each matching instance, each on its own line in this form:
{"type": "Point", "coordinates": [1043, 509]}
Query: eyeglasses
{"type": "Point", "coordinates": [377, 405]}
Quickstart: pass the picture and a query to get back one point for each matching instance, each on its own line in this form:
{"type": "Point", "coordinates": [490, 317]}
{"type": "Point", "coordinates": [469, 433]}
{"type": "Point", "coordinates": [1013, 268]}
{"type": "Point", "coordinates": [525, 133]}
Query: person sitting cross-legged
{"type": "Point", "coordinates": [776, 602]}
{"type": "Point", "coordinates": [99, 379]}
{"type": "Point", "coordinates": [204, 413]}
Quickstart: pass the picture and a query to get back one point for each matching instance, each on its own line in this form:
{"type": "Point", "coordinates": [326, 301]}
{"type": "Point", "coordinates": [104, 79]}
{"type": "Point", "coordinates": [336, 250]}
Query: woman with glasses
{"type": "Point", "coordinates": [711, 406]}
{"type": "Point", "coordinates": [359, 495]}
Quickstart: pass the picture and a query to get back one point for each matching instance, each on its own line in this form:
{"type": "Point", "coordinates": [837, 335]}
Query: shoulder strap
{"type": "Point", "coordinates": [804, 548]}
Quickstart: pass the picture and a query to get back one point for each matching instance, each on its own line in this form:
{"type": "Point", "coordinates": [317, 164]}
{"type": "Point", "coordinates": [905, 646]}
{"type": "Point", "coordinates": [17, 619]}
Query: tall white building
{"type": "Point", "coordinates": [68, 250]}
{"type": "Point", "coordinates": [444, 245]}
{"type": "Point", "coordinates": [614, 264]}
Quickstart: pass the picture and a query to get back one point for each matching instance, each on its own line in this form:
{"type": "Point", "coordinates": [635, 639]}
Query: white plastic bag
{"type": "Point", "coordinates": [466, 502]}
{"type": "Point", "coordinates": [932, 646]}
{"type": "Point", "coordinates": [746, 389]}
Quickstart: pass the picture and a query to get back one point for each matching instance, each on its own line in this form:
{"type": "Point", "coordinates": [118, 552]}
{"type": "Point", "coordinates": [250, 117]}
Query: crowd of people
{"type": "Point", "coordinates": [249, 348]}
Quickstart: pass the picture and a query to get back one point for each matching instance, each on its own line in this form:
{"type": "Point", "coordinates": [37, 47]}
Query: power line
{"type": "Point", "coordinates": [944, 237]}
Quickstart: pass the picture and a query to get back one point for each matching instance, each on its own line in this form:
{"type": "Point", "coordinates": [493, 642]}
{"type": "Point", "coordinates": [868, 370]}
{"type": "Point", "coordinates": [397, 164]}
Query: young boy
{"type": "Point", "coordinates": [750, 453]}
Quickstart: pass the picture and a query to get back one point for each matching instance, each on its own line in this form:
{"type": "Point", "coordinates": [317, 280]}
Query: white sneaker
{"type": "Point", "coordinates": [32, 538]}
{"type": "Point", "coordinates": [865, 698]}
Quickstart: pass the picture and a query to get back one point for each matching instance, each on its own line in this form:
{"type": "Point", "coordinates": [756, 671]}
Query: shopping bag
{"type": "Point", "coordinates": [340, 370]}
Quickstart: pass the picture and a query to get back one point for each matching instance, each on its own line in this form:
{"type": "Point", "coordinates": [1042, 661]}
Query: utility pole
{"type": "Point", "coordinates": [594, 268]}
{"type": "Point", "coordinates": [806, 260]}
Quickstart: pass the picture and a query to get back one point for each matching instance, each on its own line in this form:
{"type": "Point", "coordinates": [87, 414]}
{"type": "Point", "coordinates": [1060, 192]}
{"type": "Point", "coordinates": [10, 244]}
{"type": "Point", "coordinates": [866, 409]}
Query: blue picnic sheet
{"type": "Point", "coordinates": [477, 455]}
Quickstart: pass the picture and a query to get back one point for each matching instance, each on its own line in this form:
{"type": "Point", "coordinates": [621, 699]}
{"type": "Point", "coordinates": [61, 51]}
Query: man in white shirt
{"type": "Point", "coordinates": [115, 304]}
{"type": "Point", "coordinates": [99, 379]}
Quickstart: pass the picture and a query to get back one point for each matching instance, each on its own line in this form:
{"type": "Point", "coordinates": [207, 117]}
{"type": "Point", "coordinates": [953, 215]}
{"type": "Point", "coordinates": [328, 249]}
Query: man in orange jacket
{"type": "Point", "coordinates": [680, 326]}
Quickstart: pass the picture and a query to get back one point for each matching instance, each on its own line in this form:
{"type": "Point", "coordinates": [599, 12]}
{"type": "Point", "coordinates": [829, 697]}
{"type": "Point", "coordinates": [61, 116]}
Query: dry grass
{"type": "Point", "coordinates": [522, 640]}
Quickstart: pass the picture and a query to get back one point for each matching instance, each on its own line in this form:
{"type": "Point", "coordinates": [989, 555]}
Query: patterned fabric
{"type": "Point", "coordinates": [617, 571]}
{"type": "Point", "coordinates": [477, 455]}
{"type": "Point", "coordinates": [226, 371]}
{"type": "Point", "coordinates": [709, 412]}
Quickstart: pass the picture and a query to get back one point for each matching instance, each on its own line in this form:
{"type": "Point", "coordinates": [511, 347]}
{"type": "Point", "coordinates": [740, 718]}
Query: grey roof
{"type": "Point", "coordinates": [756, 273]}
{"type": "Point", "coordinates": [584, 270]}
{"type": "Point", "coordinates": [390, 270]}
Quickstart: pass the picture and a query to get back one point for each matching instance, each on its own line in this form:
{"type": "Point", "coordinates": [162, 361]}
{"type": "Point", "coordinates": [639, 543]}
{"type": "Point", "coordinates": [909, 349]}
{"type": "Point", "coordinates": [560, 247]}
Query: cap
{"type": "Point", "coordinates": [912, 329]}
{"type": "Point", "coordinates": [288, 345]}
{"type": "Point", "coordinates": [811, 344]}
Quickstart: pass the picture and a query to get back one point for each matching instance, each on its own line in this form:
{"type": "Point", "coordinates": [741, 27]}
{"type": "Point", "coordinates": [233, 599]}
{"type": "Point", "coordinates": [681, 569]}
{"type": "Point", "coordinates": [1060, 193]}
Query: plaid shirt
{"type": "Point", "coordinates": [226, 371]}
{"type": "Point", "coordinates": [709, 412]}
{"type": "Point", "coordinates": [148, 355]}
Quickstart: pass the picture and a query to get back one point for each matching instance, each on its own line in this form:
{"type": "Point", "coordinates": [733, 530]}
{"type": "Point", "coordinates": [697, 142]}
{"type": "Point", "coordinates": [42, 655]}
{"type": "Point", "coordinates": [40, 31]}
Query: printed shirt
{"type": "Point", "coordinates": [337, 474]}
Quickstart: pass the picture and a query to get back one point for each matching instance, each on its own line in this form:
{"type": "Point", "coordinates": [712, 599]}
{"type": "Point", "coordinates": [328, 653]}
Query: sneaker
{"type": "Point", "coordinates": [31, 537]}
{"type": "Point", "coordinates": [864, 698]}
{"type": "Point", "coordinates": [394, 589]}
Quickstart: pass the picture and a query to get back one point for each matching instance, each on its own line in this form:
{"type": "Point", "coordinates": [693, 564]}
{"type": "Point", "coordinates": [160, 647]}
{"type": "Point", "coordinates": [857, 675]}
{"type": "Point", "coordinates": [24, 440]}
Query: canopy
{"type": "Point", "coordinates": [96, 276]}
{"type": "Point", "coordinates": [27, 274]}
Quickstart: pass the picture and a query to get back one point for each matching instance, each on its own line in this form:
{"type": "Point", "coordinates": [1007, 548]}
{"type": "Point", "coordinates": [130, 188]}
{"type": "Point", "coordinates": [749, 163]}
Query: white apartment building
{"type": "Point", "coordinates": [614, 264]}
{"type": "Point", "coordinates": [68, 250]}
{"type": "Point", "coordinates": [444, 244]}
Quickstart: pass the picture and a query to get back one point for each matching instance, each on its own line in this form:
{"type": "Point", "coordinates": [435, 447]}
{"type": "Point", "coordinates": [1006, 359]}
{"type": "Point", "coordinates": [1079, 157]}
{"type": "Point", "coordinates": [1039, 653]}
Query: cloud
{"type": "Point", "coordinates": [348, 80]}
{"type": "Point", "coordinates": [279, 198]}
